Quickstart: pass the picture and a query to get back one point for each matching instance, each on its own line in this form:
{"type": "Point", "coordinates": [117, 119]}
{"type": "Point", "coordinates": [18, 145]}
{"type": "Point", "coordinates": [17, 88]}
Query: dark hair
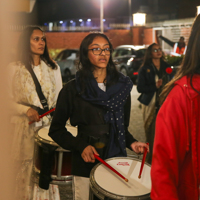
{"type": "Point", "coordinates": [85, 66]}
{"type": "Point", "coordinates": [148, 55]}
{"type": "Point", "coordinates": [24, 49]}
{"type": "Point", "coordinates": [191, 62]}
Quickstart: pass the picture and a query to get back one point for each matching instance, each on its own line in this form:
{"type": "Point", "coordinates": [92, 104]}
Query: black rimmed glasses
{"type": "Point", "coordinates": [156, 50]}
{"type": "Point", "coordinates": [98, 51]}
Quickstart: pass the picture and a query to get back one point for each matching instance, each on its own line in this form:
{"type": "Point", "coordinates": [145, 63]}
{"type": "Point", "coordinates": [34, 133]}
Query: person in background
{"type": "Point", "coordinates": [179, 48]}
{"type": "Point", "coordinates": [176, 154]}
{"type": "Point", "coordinates": [32, 56]}
{"type": "Point", "coordinates": [98, 102]}
{"type": "Point", "coordinates": [151, 79]}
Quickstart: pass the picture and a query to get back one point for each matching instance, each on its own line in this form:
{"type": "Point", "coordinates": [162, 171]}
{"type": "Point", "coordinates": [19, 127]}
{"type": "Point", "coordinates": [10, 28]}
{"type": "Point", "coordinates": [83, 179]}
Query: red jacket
{"type": "Point", "coordinates": [176, 154]}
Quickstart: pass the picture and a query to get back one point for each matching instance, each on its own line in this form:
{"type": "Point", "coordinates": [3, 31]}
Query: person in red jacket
{"type": "Point", "coordinates": [175, 169]}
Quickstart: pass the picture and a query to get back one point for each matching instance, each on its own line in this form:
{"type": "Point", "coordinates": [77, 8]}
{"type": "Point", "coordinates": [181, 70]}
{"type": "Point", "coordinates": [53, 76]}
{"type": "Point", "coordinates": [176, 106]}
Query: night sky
{"type": "Point", "coordinates": [54, 10]}
{"type": "Point", "coordinates": [81, 8]}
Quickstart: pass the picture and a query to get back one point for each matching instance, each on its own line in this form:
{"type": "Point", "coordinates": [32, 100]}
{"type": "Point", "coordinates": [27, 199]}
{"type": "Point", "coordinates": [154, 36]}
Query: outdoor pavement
{"type": "Point", "coordinates": [135, 128]}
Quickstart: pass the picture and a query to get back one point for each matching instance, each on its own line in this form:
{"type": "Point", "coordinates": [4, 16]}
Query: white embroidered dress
{"type": "Point", "coordinates": [24, 92]}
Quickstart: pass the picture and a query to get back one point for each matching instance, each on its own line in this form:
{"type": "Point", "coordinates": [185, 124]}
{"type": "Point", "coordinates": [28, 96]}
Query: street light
{"type": "Point", "coordinates": [130, 14]}
{"type": "Point", "coordinates": [198, 10]}
{"type": "Point", "coordinates": [101, 15]}
{"type": "Point", "coordinates": [139, 19]}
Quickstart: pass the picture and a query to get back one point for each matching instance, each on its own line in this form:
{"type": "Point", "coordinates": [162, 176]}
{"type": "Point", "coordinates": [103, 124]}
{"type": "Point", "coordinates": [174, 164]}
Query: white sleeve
{"type": "Point", "coordinates": [19, 109]}
{"type": "Point", "coordinates": [11, 73]}
{"type": "Point", "coordinates": [14, 106]}
{"type": "Point", "coordinates": [58, 79]}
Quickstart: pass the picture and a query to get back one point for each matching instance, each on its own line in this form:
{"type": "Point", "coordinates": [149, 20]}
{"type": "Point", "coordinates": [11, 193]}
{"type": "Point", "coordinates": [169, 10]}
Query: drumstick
{"type": "Point", "coordinates": [46, 113]}
{"type": "Point", "coordinates": [143, 160]}
{"type": "Point", "coordinates": [111, 168]}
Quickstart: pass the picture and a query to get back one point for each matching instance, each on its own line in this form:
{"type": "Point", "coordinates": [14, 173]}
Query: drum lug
{"type": "Point", "coordinates": [96, 192]}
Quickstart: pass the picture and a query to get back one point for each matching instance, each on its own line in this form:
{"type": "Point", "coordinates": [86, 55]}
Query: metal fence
{"type": "Point", "coordinates": [71, 28]}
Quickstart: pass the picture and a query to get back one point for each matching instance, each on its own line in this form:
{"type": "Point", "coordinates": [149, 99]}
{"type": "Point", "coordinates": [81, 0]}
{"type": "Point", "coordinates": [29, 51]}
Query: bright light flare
{"type": "Point", "coordinates": [198, 10]}
{"type": "Point", "coordinates": [139, 19]}
{"type": "Point", "coordinates": [129, 61]}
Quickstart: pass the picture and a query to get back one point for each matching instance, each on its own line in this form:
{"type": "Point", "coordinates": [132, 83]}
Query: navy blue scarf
{"type": "Point", "coordinates": [112, 101]}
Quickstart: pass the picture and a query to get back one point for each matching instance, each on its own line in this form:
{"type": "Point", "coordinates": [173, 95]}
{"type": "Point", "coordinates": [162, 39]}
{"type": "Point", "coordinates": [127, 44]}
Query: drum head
{"type": "Point", "coordinates": [72, 130]}
{"type": "Point", "coordinates": [44, 137]}
{"type": "Point", "coordinates": [109, 183]}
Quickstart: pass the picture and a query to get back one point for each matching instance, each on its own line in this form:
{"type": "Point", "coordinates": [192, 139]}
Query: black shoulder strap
{"type": "Point", "coordinates": [42, 98]}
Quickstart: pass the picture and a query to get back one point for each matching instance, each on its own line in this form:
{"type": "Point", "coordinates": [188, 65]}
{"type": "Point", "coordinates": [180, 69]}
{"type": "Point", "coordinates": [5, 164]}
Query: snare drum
{"type": "Point", "coordinates": [105, 183]}
{"type": "Point", "coordinates": [61, 164]}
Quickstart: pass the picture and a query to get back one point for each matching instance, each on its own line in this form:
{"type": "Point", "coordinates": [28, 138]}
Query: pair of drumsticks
{"type": "Point", "coordinates": [115, 171]}
{"type": "Point", "coordinates": [102, 161]}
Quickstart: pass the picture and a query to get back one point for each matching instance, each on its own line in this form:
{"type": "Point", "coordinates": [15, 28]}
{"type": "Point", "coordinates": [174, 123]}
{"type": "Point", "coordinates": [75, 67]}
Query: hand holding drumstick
{"type": "Point", "coordinates": [139, 147]}
{"type": "Point", "coordinates": [88, 154]}
{"type": "Point", "coordinates": [33, 115]}
{"type": "Point", "coordinates": [143, 160]}
{"type": "Point", "coordinates": [37, 116]}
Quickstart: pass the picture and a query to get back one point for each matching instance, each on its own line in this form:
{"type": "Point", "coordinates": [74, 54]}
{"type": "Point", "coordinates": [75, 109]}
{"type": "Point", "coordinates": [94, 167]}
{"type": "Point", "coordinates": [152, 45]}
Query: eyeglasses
{"type": "Point", "coordinates": [98, 51]}
{"type": "Point", "coordinates": [156, 50]}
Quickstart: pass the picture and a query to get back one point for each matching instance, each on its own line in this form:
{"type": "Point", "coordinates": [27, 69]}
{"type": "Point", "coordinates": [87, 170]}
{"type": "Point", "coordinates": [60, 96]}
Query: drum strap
{"type": "Point", "coordinates": [41, 96]}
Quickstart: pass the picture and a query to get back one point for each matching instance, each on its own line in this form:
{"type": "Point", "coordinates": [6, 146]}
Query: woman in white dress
{"type": "Point", "coordinates": [33, 55]}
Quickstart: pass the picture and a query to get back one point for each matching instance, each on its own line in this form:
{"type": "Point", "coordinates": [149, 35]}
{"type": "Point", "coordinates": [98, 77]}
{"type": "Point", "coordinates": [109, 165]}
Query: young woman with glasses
{"type": "Point", "coordinates": [98, 102]}
{"type": "Point", "coordinates": [151, 79]}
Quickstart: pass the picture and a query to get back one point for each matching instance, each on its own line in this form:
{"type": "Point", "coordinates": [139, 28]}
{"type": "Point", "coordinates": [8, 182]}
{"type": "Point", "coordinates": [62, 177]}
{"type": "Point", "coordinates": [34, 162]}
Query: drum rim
{"type": "Point", "coordinates": [94, 184]}
{"type": "Point", "coordinates": [47, 141]}
{"type": "Point", "coordinates": [62, 180]}
{"type": "Point", "coordinates": [44, 140]}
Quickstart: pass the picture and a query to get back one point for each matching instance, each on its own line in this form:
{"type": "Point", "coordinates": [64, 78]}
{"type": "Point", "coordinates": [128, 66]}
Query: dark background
{"type": "Point", "coordinates": [55, 10]}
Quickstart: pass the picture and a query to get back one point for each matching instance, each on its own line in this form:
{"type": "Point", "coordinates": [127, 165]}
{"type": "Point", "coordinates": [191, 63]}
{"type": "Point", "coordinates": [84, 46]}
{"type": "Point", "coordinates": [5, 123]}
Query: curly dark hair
{"type": "Point", "coordinates": [24, 49]}
{"type": "Point", "coordinates": [85, 67]}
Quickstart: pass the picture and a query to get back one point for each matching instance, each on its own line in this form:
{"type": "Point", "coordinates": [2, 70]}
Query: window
{"type": "Point", "coordinates": [59, 57]}
{"type": "Point", "coordinates": [71, 54]}
{"type": "Point", "coordinates": [140, 53]}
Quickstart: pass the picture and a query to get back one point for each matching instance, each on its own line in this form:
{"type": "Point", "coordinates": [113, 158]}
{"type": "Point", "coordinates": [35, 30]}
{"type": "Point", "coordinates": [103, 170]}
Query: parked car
{"type": "Point", "coordinates": [128, 59]}
{"type": "Point", "coordinates": [67, 60]}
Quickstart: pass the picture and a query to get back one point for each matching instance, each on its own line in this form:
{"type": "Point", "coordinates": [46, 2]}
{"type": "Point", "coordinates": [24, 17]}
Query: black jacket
{"type": "Point", "coordinates": [146, 81]}
{"type": "Point", "coordinates": [81, 114]}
